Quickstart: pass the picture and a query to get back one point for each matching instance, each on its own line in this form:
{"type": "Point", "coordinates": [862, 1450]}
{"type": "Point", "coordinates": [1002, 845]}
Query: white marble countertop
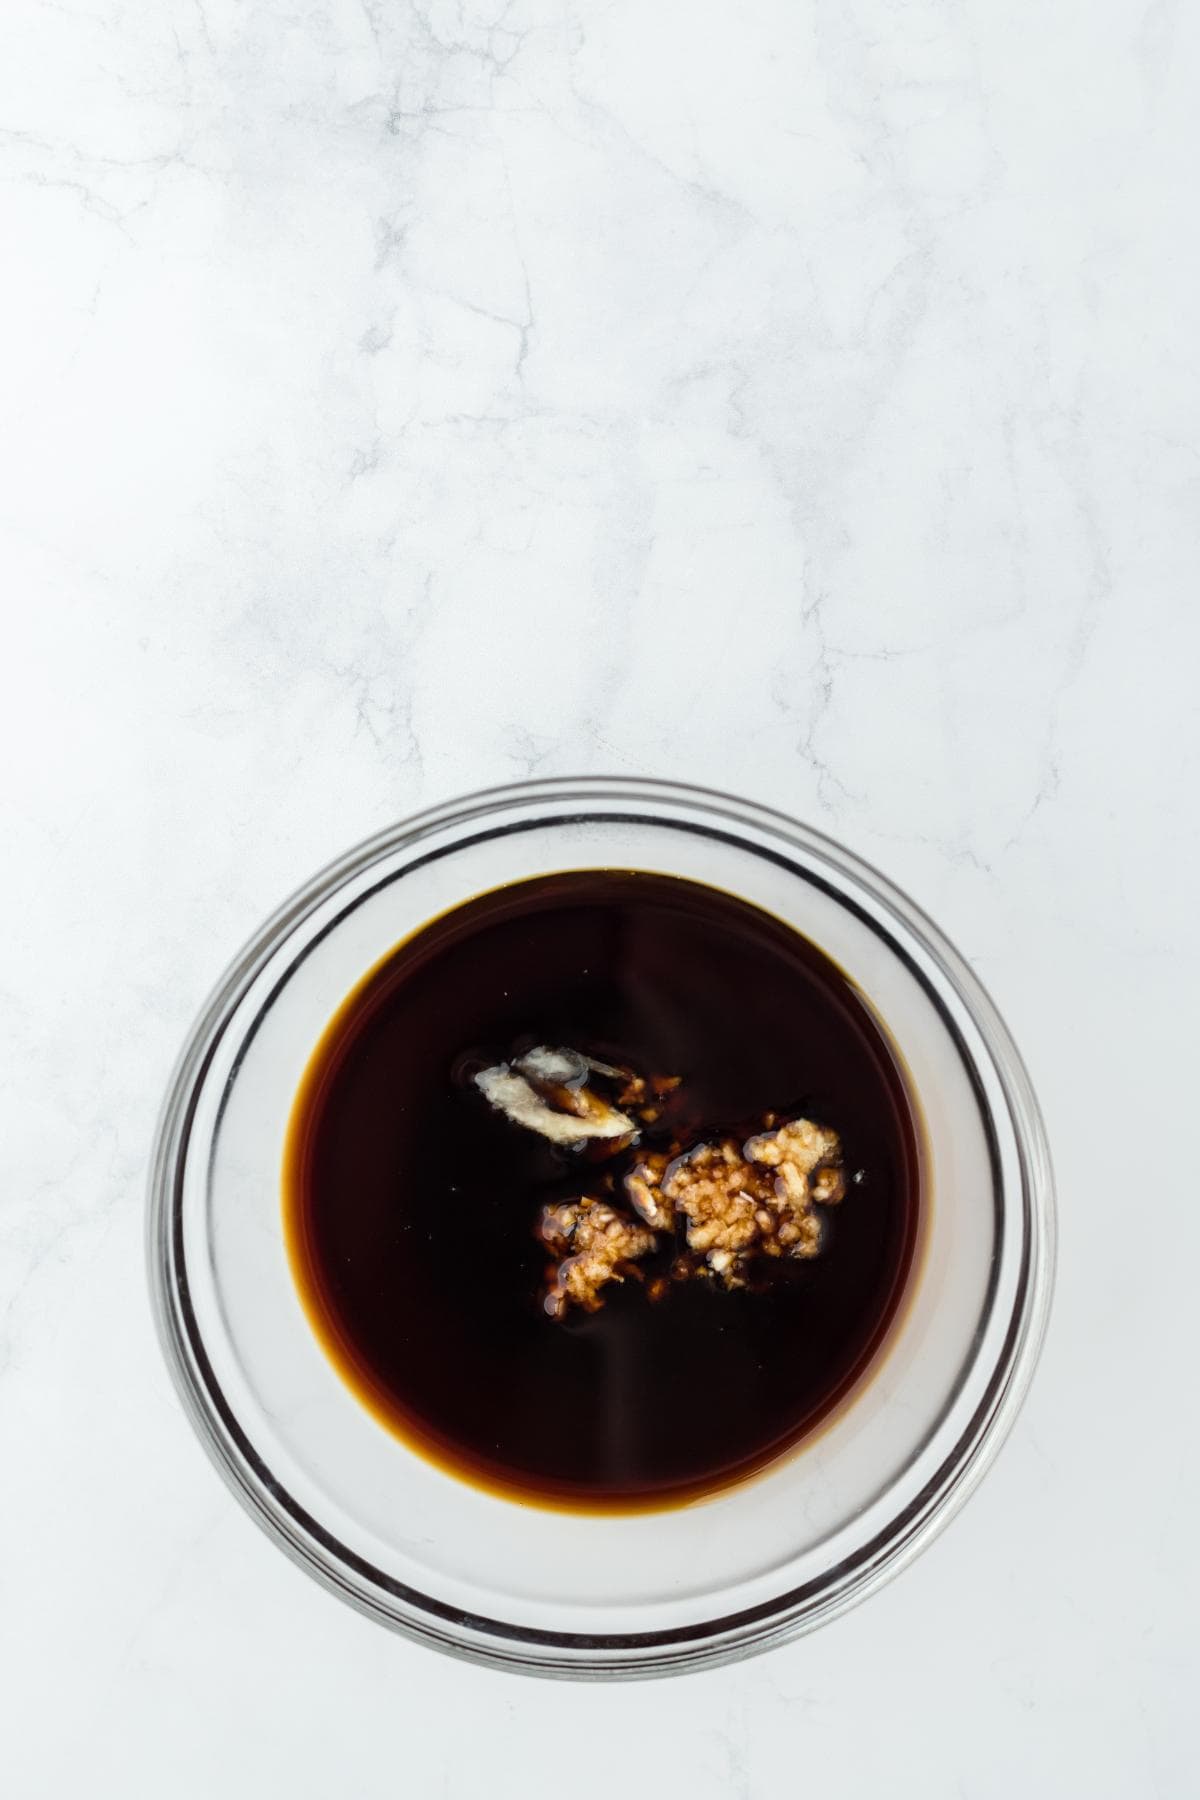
{"type": "Point", "coordinates": [793, 397]}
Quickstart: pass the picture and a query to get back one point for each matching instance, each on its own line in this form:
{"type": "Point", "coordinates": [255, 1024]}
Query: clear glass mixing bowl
{"type": "Point", "coordinates": [564, 1593]}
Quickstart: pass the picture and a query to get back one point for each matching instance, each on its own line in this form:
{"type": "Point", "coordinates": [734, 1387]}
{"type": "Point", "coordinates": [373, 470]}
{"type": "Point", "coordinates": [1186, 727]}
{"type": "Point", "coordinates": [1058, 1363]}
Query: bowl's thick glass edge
{"type": "Point", "coordinates": [990, 1431]}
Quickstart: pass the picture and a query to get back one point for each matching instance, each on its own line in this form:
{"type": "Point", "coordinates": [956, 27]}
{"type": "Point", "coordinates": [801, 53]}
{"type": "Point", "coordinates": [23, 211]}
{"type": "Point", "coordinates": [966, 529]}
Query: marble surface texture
{"type": "Point", "coordinates": [400, 396]}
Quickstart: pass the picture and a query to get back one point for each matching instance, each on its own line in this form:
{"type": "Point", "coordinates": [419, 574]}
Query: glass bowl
{"type": "Point", "coordinates": [567, 1593]}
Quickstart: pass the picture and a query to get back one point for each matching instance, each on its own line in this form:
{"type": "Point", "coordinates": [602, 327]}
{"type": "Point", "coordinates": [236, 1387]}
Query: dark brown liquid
{"type": "Point", "coordinates": [410, 1205]}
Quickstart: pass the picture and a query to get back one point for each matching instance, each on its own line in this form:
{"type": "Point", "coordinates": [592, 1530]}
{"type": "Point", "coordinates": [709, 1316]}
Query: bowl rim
{"type": "Point", "coordinates": [572, 1655]}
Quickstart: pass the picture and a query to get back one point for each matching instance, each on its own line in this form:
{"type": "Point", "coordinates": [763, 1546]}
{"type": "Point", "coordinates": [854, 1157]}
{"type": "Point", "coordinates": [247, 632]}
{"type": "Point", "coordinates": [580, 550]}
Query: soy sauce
{"type": "Point", "coordinates": [410, 1205]}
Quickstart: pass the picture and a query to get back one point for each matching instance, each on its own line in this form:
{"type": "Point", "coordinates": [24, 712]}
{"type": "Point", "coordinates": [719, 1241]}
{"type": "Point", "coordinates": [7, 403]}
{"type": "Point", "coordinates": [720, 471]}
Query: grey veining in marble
{"type": "Point", "coordinates": [793, 397]}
